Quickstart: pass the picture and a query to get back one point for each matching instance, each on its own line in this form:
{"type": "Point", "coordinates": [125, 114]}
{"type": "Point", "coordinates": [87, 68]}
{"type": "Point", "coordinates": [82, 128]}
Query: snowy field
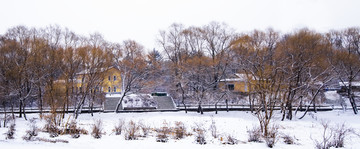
{"type": "Point", "coordinates": [234, 124]}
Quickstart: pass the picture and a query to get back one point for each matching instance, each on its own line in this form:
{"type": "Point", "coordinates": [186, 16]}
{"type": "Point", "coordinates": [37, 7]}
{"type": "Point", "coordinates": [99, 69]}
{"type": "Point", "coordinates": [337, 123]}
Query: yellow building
{"type": "Point", "coordinates": [109, 81]}
{"type": "Point", "coordinates": [237, 82]}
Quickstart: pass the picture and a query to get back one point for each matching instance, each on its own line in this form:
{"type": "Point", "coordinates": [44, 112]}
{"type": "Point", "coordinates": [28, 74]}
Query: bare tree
{"type": "Point", "coordinates": [19, 54]}
{"type": "Point", "coordinates": [346, 59]}
{"type": "Point", "coordinates": [133, 67]}
{"type": "Point", "coordinates": [300, 52]}
{"type": "Point", "coordinates": [94, 59]}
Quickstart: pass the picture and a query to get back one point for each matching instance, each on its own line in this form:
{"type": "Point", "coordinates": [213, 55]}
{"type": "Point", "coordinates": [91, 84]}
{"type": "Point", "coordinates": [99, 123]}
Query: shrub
{"type": "Point", "coordinates": [180, 130]}
{"type": "Point", "coordinates": [163, 133]}
{"type": "Point", "coordinates": [340, 132]}
{"type": "Point", "coordinates": [213, 129]}
{"type": "Point", "coordinates": [132, 131]}
{"type": "Point", "coordinates": [145, 129]}
{"type": "Point", "coordinates": [10, 133]}
{"type": "Point", "coordinates": [272, 136]}
{"type": "Point", "coordinates": [325, 142]}
{"type": "Point", "coordinates": [51, 126]}
{"type": "Point", "coordinates": [199, 134]}
{"type": "Point", "coordinates": [119, 127]}
{"type": "Point", "coordinates": [254, 134]}
{"type": "Point", "coordinates": [288, 139]}
{"type": "Point", "coordinates": [97, 129]}
{"type": "Point", "coordinates": [32, 132]}
{"type": "Point", "coordinates": [73, 129]}
{"type": "Point", "coordinates": [230, 140]}
{"type": "Point", "coordinates": [7, 118]}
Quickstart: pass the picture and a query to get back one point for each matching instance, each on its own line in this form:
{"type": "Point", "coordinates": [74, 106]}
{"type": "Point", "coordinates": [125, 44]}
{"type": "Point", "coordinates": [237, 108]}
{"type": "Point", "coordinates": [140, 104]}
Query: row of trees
{"type": "Point", "coordinates": [288, 70]}
{"type": "Point", "coordinates": [42, 67]}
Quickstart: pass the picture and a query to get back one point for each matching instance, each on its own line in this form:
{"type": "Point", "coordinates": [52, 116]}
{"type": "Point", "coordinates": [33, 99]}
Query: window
{"type": "Point", "coordinates": [114, 89]}
{"type": "Point", "coordinates": [109, 89]}
{"type": "Point", "coordinates": [230, 87]}
{"type": "Point", "coordinates": [114, 78]}
{"type": "Point", "coordinates": [109, 78]}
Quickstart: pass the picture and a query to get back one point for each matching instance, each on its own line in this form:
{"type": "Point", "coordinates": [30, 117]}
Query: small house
{"type": "Point", "coordinates": [237, 82]}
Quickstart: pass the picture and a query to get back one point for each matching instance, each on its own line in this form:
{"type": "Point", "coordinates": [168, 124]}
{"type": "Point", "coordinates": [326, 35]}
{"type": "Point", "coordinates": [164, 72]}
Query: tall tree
{"type": "Point", "coordinates": [133, 67]}
{"type": "Point", "coordinates": [94, 59]}
{"type": "Point", "coordinates": [300, 52]}
{"type": "Point", "coordinates": [346, 60]}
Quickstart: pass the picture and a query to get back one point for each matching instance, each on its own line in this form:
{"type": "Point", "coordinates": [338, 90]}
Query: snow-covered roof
{"type": "Point", "coordinates": [236, 77]}
{"type": "Point", "coordinates": [101, 70]}
{"type": "Point", "coordinates": [347, 83]}
{"type": "Point", "coordinates": [88, 71]}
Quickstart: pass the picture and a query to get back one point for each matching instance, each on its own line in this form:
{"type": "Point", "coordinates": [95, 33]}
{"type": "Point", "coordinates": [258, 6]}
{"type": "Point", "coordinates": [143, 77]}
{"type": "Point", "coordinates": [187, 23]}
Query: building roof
{"type": "Point", "coordinates": [357, 83]}
{"type": "Point", "coordinates": [236, 77]}
{"type": "Point", "coordinates": [87, 71]}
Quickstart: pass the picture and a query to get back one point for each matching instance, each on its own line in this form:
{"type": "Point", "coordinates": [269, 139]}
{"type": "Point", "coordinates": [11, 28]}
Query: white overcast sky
{"type": "Point", "coordinates": [141, 20]}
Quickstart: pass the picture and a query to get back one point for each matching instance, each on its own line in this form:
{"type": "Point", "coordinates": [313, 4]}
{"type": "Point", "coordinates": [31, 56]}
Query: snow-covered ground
{"type": "Point", "coordinates": [233, 123]}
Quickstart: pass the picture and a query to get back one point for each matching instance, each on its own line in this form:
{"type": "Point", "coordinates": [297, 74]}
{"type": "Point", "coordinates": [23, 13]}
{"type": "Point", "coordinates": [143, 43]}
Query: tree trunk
{"type": "Point", "coordinates": [40, 101]}
{"type": "Point", "coordinates": [216, 110]}
{"type": "Point", "coordinates": [63, 111]}
{"type": "Point", "coordinates": [120, 102]}
{"type": "Point", "coordinates": [20, 108]}
{"type": "Point", "coordinates": [24, 111]}
{"type": "Point", "coordinates": [4, 105]}
{"type": "Point", "coordinates": [284, 112]}
{"type": "Point", "coordinates": [79, 107]}
{"type": "Point", "coordinates": [92, 108]}
{"type": "Point", "coordinates": [251, 104]}
{"type": "Point", "coordinates": [183, 97]}
{"type": "Point", "coordinates": [351, 98]}
{"type": "Point", "coordinates": [290, 111]}
{"type": "Point", "coordinates": [311, 102]}
{"type": "Point", "coordinates": [200, 109]}
{"type": "Point", "coordinates": [12, 111]}
{"type": "Point", "coordinates": [314, 105]}
{"type": "Point", "coordinates": [184, 106]}
{"type": "Point", "coordinates": [227, 105]}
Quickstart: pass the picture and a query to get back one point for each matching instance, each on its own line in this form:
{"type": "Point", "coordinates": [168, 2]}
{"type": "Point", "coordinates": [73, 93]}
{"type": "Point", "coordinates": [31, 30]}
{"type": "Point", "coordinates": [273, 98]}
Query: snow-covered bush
{"type": "Point", "coordinates": [340, 133]}
{"type": "Point", "coordinates": [199, 134]}
{"type": "Point", "coordinates": [272, 136]}
{"type": "Point", "coordinates": [254, 134]}
{"type": "Point", "coordinates": [51, 126]}
{"type": "Point", "coordinates": [131, 131]}
{"type": "Point", "coordinates": [163, 133]}
{"type": "Point", "coordinates": [32, 132]}
{"type": "Point", "coordinates": [7, 118]}
{"type": "Point", "coordinates": [145, 129]}
{"type": "Point", "coordinates": [119, 127]}
{"type": "Point", "coordinates": [325, 141]}
{"type": "Point", "coordinates": [97, 129]}
{"type": "Point", "coordinates": [180, 130]}
{"type": "Point", "coordinates": [73, 129]}
{"type": "Point", "coordinates": [213, 129]}
{"type": "Point", "coordinates": [230, 140]}
{"type": "Point", "coordinates": [11, 131]}
{"type": "Point", "coordinates": [289, 139]}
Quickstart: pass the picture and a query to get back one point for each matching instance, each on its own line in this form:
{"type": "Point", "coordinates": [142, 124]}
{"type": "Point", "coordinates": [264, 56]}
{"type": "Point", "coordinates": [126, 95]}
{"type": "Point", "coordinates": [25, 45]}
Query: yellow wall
{"type": "Point", "coordinates": [106, 83]}
{"type": "Point", "coordinates": [239, 86]}
{"type": "Point", "coordinates": [112, 83]}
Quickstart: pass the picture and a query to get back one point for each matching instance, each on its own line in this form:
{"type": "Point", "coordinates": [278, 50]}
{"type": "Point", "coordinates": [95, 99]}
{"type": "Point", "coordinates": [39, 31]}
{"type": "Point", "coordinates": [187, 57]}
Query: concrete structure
{"type": "Point", "coordinates": [153, 103]}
